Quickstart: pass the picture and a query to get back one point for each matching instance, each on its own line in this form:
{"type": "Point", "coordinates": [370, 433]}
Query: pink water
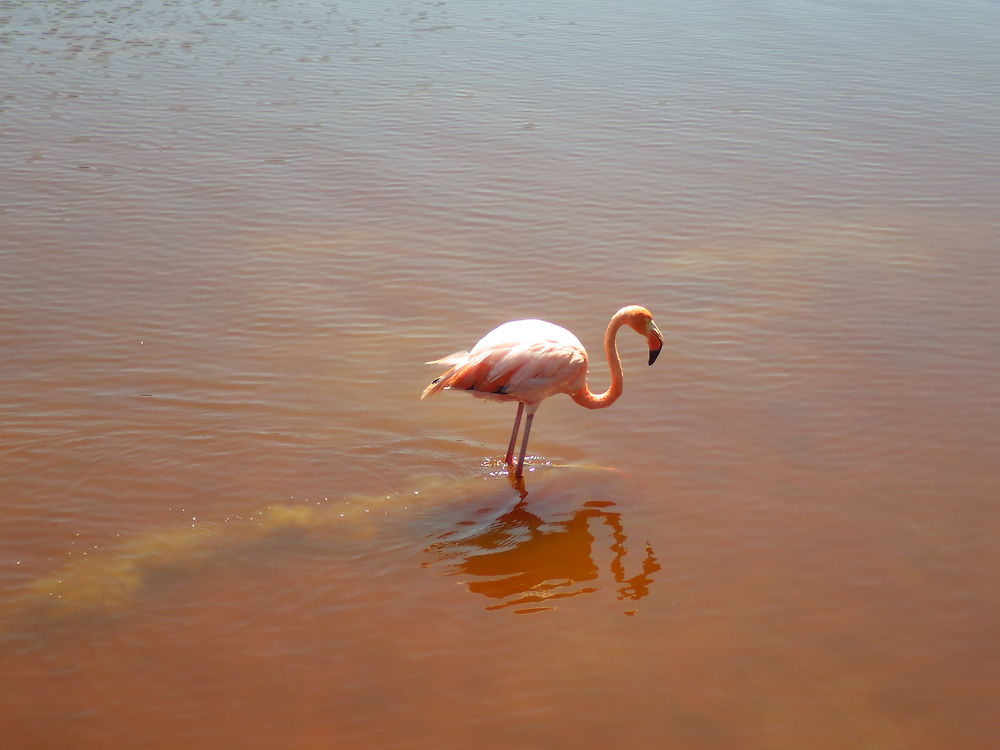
{"type": "Point", "coordinates": [232, 232]}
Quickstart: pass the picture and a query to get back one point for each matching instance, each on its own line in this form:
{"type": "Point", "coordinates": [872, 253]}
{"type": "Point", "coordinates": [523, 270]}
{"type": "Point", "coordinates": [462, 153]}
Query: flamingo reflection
{"type": "Point", "coordinates": [521, 560]}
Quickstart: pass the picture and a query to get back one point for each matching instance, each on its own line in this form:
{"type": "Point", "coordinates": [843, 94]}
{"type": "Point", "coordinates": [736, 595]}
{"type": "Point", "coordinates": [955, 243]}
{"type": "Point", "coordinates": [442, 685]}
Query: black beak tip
{"type": "Point", "coordinates": [653, 354]}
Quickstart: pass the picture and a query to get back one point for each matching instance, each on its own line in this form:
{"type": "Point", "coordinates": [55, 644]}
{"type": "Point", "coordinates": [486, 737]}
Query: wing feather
{"type": "Point", "coordinates": [525, 360]}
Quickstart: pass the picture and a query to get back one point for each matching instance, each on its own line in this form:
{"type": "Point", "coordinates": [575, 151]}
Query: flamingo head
{"type": "Point", "coordinates": [640, 320]}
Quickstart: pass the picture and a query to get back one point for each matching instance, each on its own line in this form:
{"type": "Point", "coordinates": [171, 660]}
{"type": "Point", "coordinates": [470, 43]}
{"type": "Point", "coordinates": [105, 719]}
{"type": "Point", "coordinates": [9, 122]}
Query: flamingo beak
{"type": "Point", "coordinates": [655, 340]}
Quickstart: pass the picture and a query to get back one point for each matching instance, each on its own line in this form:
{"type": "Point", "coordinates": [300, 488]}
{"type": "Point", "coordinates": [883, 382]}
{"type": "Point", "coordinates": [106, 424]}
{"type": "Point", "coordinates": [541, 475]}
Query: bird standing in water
{"type": "Point", "coordinates": [529, 360]}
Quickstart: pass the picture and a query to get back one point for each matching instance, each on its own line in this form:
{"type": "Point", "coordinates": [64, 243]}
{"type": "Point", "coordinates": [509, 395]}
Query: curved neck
{"type": "Point", "coordinates": [601, 400]}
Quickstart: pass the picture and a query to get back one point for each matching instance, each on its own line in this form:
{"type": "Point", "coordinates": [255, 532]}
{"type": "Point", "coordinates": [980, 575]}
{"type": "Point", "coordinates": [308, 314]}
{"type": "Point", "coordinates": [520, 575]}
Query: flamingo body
{"type": "Point", "coordinates": [524, 360]}
{"type": "Point", "coordinates": [529, 360]}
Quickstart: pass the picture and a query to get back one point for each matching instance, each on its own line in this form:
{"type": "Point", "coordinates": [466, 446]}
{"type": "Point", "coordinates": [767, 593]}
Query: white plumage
{"type": "Point", "coordinates": [524, 360]}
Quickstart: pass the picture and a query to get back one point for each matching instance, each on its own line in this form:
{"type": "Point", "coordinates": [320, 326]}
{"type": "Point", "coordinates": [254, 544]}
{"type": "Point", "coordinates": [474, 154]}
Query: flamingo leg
{"type": "Point", "coordinates": [509, 460]}
{"type": "Point", "coordinates": [524, 445]}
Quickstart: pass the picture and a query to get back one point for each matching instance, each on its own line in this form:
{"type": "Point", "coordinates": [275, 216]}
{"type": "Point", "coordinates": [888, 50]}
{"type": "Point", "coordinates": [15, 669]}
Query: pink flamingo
{"type": "Point", "coordinates": [529, 360]}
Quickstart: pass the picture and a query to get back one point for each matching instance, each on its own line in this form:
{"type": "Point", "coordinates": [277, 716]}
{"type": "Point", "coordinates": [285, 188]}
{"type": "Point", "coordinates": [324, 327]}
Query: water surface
{"type": "Point", "coordinates": [232, 232]}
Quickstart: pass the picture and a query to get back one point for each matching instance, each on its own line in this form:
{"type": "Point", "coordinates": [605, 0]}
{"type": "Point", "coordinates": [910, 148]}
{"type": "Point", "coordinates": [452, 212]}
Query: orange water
{"type": "Point", "coordinates": [232, 232]}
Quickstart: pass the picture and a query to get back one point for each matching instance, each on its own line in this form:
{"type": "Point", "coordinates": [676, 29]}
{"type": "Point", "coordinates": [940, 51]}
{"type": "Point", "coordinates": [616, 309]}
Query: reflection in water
{"type": "Point", "coordinates": [524, 561]}
{"type": "Point", "coordinates": [526, 556]}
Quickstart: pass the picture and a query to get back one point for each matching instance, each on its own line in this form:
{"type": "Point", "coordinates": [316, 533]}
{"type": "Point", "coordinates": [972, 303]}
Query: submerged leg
{"type": "Point", "coordinates": [524, 444]}
{"type": "Point", "coordinates": [509, 460]}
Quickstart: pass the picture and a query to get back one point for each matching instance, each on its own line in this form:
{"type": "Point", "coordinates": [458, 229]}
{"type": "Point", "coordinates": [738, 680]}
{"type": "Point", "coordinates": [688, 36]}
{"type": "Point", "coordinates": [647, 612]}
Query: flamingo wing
{"type": "Point", "coordinates": [524, 360]}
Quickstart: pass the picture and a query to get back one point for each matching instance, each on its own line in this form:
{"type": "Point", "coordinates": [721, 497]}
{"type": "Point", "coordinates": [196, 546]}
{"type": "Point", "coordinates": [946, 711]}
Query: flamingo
{"type": "Point", "coordinates": [529, 360]}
